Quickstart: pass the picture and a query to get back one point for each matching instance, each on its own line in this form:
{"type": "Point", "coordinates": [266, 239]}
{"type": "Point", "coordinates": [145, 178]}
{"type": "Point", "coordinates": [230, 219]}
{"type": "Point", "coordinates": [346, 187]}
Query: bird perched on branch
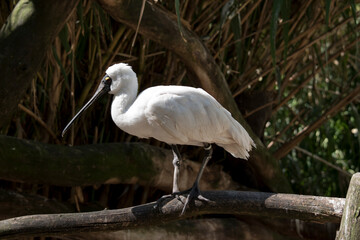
{"type": "Point", "coordinates": [176, 115]}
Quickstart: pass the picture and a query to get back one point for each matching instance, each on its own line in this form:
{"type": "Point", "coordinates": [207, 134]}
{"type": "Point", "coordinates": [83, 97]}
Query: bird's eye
{"type": "Point", "coordinates": [106, 80]}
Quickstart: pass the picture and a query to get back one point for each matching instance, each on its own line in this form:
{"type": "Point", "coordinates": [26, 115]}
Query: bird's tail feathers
{"type": "Point", "coordinates": [243, 142]}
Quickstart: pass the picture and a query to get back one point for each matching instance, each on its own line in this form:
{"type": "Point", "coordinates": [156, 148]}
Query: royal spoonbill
{"type": "Point", "coordinates": [176, 115]}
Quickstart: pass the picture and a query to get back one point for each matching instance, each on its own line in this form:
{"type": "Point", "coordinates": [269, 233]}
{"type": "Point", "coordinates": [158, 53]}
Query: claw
{"type": "Point", "coordinates": [172, 195]}
{"type": "Point", "coordinates": [194, 193]}
{"type": "Point", "coordinates": [160, 200]}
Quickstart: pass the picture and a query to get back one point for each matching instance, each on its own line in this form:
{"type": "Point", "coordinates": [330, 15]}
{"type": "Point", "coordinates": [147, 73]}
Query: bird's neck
{"type": "Point", "coordinates": [121, 103]}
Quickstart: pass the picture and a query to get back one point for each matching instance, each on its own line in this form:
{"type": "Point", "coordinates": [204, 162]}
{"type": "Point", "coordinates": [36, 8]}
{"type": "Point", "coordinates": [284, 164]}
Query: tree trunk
{"type": "Point", "coordinates": [350, 222]}
{"type": "Point", "coordinates": [24, 39]}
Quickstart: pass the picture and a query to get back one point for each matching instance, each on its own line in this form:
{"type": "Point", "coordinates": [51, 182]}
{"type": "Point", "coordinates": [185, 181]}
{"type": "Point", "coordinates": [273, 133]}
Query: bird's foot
{"type": "Point", "coordinates": [192, 194]}
{"type": "Point", "coordinates": [176, 195]}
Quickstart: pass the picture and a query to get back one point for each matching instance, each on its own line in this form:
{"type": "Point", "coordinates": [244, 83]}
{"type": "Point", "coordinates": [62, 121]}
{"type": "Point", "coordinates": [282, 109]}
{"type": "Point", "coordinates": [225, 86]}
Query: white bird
{"type": "Point", "coordinates": [174, 115]}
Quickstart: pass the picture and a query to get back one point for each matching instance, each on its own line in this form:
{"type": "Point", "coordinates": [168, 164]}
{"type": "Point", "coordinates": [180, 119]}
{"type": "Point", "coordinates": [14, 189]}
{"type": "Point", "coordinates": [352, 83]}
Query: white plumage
{"type": "Point", "coordinates": [171, 114]}
{"type": "Point", "coordinates": [174, 114]}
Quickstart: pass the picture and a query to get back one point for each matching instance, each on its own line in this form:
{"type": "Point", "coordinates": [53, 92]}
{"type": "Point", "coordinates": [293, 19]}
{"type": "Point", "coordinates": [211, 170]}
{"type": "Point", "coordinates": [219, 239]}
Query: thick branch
{"type": "Point", "coordinates": [100, 163]}
{"type": "Point", "coordinates": [13, 204]}
{"type": "Point", "coordinates": [350, 222]}
{"type": "Point", "coordinates": [24, 40]}
{"type": "Point", "coordinates": [161, 26]}
{"type": "Point", "coordinates": [310, 208]}
{"type": "Point", "coordinates": [190, 229]}
{"type": "Point", "coordinates": [245, 228]}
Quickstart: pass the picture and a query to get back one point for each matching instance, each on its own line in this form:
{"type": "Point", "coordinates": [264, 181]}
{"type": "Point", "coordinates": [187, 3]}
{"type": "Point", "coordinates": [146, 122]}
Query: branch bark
{"type": "Point", "coordinates": [310, 208]}
{"type": "Point", "coordinates": [110, 163]}
{"type": "Point", "coordinates": [350, 222]}
{"type": "Point", "coordinates": [246, 228]}
{"type": "Point", "coordinates": [161, 26]}
{"type": "Point", "coordinates": [14, 204]}
{"type": "Point", "coordinates": [190, 229]}
{"type": "Point", "coordinates": [24, 40]}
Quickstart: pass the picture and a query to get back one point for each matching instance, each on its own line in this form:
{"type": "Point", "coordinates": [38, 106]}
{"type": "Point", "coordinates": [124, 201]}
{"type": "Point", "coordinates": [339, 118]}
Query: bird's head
{"type": "Point", "coordinates": [122, 76]}
{"type": "Point", "coordinates": [118, 76]}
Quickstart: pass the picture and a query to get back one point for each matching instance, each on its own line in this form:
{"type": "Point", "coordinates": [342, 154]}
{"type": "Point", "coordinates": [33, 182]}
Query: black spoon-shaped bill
{"type": "Point", "coordinates": [103, 88]}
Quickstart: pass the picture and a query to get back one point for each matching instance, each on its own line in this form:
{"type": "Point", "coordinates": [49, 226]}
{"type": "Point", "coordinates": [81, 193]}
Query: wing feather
{"type": "Point", "coordinates": [187, 116]}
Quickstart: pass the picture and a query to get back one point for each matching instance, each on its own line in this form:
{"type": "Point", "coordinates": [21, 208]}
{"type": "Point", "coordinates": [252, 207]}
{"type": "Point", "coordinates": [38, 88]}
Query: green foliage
{"type": "Point", "coordinates": [273, 27]}
{"type": "Point", "coordinates": [177, 10]}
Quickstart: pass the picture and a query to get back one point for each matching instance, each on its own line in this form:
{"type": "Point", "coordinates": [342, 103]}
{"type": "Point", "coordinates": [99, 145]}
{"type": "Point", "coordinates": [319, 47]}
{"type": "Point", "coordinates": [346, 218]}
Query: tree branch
{"type": "Point", "coordinates": [213, 228]}
{"type": "Point", "coordinates": [14, 204]}
{"type": "Point", "coordinates": [244, 228]}
{"type": "Point", "coordinates": [111, 163]}
{"type": "Point", "coordinates": [161, 26]}
{"type": "Point", "coordinates": [24, 40]}
{"type": "Point", "coordinates": [309, 208]}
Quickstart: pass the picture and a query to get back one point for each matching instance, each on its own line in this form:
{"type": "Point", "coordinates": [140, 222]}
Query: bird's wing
{"type": "Point", "coordinates": [188, 116]}
{"type": "Point", "coordinates": [162, 112]}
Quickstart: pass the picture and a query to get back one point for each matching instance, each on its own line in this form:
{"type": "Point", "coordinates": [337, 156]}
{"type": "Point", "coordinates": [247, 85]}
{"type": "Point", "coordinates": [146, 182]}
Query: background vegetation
{"type": "Point", "coordinates": [289, 64]}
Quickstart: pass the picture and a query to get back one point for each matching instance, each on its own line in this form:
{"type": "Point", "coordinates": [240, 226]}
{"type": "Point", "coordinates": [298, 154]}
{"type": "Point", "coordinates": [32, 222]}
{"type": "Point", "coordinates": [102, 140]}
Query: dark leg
{"type": "Point", "coordinates": [194, 191]}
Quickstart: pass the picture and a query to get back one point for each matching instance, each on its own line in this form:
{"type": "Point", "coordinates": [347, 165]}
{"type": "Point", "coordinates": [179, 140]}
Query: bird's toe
{"type": "Point", "coordinates": [202, 198]}
{"type": "Point", "coordinates": [178, 195]}
{"type": "Point", "coordinates": [194, 193]}
{"type": "Point", "coordinates": [161, 200]}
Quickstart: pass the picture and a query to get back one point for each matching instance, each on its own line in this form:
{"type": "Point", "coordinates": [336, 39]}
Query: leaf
{"type": "Point", "coordinates": [57, 59]}
{"type": "Point", "coordinates": [357, 120]}
{"type": "Point", "coordinates": [273, 28]}
{"type": "Point", "coordinates": [327, 9]}
{"type": "Point", "coordinates": [177, 10]}
{"type": "Point", "coordinates": [138, 24]}
{"type": "Point", "coordinates": [236, 29]}
{"type": "Point", "coordinates": [285, 14]}
{"type": "Point", "coordinates": [353, 10]}
{"type": "Point", "coordinates": [319, 59]}
{"type": "Point", "coordinates": [226, 12]}
{"type": "Point", "coordinates": [64, 35]}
